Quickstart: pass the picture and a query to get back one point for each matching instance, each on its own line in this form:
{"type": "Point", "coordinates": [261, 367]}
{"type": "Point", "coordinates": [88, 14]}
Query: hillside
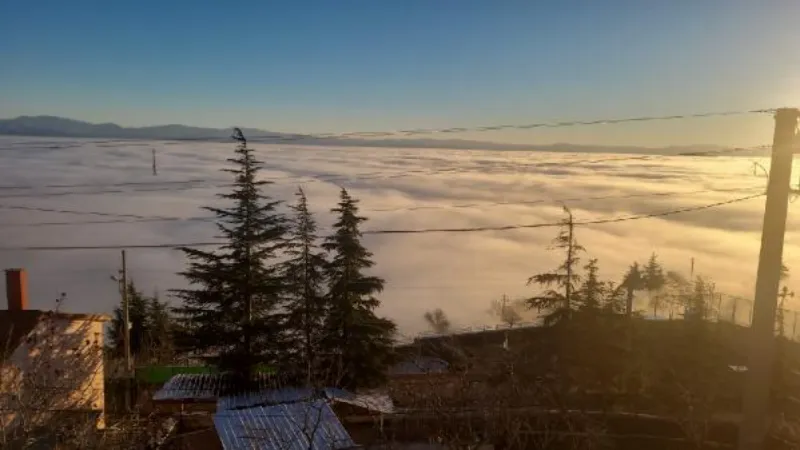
{"type": "Point", "coordinates": [52, 126]}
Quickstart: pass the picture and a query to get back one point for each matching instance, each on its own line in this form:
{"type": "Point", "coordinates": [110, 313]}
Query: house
{"type": "Point", "coordinates": [51, 364]}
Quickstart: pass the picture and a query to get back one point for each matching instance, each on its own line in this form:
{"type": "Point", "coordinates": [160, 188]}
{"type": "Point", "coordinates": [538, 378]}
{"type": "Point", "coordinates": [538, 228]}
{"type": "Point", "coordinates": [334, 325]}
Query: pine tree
{"type": "Point", "coordinates": [698, 309]}
{"type": "Point", "coordinates": [150, 328]}
{"type": "Point", "coordinates": [782, 296]}
{"type": "Point", "coordinates": [160, 329]}
{"type": "Point", "coordinates": [559, 284]}
{"type": "Point", "coordinates": [614, 300]}
{"type": "Point", "coordinates": [592, 291]}
{"type": "Point", "coordinates": [654, 280]}
{"type": "Point", "coordinates": [138, 323]}
{"type": "Point", "coordinates": [358, 342]}
{"type": "Point", "coordinates": [228, 315]}
{"type": "Point", "coordinates": [631, 282]}
{"type": "Point", "coordinates": [305, 304]}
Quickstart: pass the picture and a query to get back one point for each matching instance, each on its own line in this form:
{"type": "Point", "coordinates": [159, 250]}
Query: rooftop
{"type": "Point", "coordinates": [289, 426]}
{"type": "Point", "coordinates": [15, 325]}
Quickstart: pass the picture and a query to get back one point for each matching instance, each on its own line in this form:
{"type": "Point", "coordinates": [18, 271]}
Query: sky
{"type": "Point", "coordinates": [324, 66]}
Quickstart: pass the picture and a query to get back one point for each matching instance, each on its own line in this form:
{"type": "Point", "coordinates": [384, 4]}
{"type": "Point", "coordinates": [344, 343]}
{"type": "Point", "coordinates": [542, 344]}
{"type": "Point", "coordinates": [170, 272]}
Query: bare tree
{"type": "Point", "coordinates": [507, 311]}
{"type": "Point", "coordinates": [438, 321]}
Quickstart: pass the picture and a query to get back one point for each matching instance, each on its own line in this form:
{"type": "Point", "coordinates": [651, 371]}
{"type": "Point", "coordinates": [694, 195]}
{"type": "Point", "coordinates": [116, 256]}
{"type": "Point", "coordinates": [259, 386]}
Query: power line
{"type": "Point", "coordinates": [543, 225]}
{"type": "Point", "coordinates": [288, 137]}
{"type": "Point", "coordinates": [410, 231]}
{"type": "Point", "coordinates": [134, 218]}
{"type": "Point", "coordinates": [102, 185]}
{"type": "Point", "coordinates": [182, 185]}
{"type": "Point", "coordinates": [528, 126]}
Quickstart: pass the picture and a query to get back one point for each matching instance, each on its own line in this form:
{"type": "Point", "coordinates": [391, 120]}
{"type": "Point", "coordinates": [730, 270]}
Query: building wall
{"type": "Point", "coordinates": [58, 367]}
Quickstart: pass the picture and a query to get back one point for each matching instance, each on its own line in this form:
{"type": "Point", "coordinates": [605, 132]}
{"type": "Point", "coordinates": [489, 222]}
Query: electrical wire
{"type": "Point", "coordinates": [289, 137]}
{"type": "Point", "coordinates": [577, 223]}
{"type": "Point", "coordinates": [284, 137]}
{"type": "Point", "coordinates": [182, 185]}
{"type": "Point", "coordinates": [134, 218]}
{"type": "Point", "coordinates": [401, 231]}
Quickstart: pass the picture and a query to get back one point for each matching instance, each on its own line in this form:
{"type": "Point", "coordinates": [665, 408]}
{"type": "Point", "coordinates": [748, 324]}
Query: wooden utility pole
{"type": "Point", "coordinates": [756, 410]}
{"type": "Point", "coordinates": [155, 168]}
{"type": "Point", "coordinates": [126, 314]}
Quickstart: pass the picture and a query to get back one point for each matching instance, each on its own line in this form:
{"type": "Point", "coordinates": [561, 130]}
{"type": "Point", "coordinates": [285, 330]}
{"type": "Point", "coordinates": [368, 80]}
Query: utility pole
{"type": "Point", "coordinates": [756, 408]}
{"type": "Point", "coordinates": [733, 310]}
{"type": "Point", "coordinates": [155, 168]}
{"type": "Point", "coordinates": [126, 314]}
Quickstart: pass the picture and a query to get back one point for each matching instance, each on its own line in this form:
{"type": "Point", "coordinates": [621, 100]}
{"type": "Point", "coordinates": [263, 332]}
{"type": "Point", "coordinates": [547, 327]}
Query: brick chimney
{"type": "Point", "coordinates": [17, 289]}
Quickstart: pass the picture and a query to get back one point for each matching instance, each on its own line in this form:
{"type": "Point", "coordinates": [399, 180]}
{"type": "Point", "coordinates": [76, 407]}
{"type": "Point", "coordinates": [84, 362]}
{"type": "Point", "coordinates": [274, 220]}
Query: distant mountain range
{"type": "Point", "coordinates": [52, 126]}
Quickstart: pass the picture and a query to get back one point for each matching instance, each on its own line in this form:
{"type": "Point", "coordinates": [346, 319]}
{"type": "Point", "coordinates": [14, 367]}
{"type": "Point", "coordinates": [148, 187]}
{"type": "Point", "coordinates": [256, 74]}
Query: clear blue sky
{"type": "Point", "coordinates": [340, 65]}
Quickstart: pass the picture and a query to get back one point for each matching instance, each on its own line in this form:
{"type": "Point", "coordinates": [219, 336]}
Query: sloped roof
{"type": "Point", "coordinates": [380, 403]}
{"type": "Point", "coordinates": [289, 426]}
{"type": "Point", "coordinates": [14, 327]}
{"type": "Point", "coordinates": [206, 387]}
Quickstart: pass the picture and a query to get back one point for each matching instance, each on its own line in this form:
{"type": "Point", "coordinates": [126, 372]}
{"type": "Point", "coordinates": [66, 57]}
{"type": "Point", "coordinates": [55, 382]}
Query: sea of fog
{"type": "Point", "coordinates": [398, 189]}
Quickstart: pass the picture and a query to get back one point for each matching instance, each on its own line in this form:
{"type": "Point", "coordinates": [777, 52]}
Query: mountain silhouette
{"type": "Point", "coordinates": [53, 126]}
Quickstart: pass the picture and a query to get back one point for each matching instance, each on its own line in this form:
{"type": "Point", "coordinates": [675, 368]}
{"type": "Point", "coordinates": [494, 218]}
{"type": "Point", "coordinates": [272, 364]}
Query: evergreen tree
{"type": "Point", "coordinates": [305, 304]}
{"type": "Point", "coordinates": [614, 300]}
{"type": "Point", "coordinates": [654, 280]}
{"type": "Point", "coordinates": [631, 282]}
{"type": "Point", "coordinates": [150, 324]}
{"type": "Point", "coordinates": [160, 329]}
{"type": "Point", "coordinates": [358, 342]}
{"type": "Point", "coordinates": [228, 315]}
{"type": "Point", "coordinates": [697, 309]}
{"type": "Point", "coordinates": [138, 323]}
{"type": "Point", "coordinates": [782, 296]}
{"type": "Point", "coordinates": [592, 291]}
{"type": "Point", "coordinates": [559, 284]}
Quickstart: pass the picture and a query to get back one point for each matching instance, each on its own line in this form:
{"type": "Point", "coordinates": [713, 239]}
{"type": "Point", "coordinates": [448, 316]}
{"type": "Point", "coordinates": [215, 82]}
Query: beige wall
{"type": "Point", "coordinates": [58, 367]}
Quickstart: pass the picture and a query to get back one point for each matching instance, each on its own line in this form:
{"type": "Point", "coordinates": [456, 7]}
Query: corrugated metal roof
{"type": "Point", "coordinates": [289, 426]}
{"type": "Point", "coordinates": [374, 402]}
{"type": "Point", "coordinates": [265, 397]}
{"type": "Point", "coordinates": [205, 387]}
{"type": "Point", "coordinates": [380, 403]}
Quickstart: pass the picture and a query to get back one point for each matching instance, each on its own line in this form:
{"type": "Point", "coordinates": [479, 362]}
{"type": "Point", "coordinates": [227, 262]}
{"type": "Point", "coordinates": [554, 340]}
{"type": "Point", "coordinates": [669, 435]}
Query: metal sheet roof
{"type": "Point", "coordinates": [265, 397]}
{"type": "Point", "coordinates": [289, 426]}
{"type": "Point", "coordinates": [373, 402]}
{"type": "Point", "coordinates": [204, 387]}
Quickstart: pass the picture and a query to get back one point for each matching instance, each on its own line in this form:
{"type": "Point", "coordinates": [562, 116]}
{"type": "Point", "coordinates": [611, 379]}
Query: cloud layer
{"type": "Point", "coordinates": [398, 189]}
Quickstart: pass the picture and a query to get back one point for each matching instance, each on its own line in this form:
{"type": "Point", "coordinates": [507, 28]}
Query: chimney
{"type": "Point", "coordinates": [17, 289]}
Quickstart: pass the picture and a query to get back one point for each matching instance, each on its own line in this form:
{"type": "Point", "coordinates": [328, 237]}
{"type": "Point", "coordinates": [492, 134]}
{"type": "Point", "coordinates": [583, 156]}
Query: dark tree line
{"type": "Point", "coordinates": [571, 288]}
{"type": "Point", "coordinates": [273, 294]}
{"type": "Point", "coordinates": [150, 328]}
